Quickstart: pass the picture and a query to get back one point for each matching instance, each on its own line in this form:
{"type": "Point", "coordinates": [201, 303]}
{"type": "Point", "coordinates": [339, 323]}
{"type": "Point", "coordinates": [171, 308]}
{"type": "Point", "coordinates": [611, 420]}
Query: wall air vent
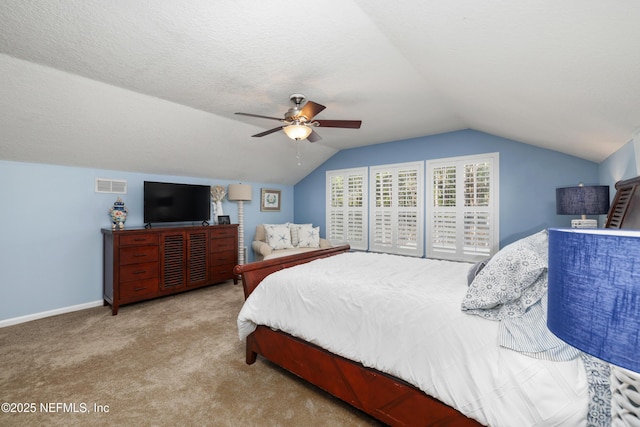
{"type": "Point", "coordinates": [115, 186]}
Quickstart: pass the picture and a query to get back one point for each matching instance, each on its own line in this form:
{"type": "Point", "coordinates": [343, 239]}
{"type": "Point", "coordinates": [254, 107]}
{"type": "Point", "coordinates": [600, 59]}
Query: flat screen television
{"type": "Point", "coordinates": [170, 202]}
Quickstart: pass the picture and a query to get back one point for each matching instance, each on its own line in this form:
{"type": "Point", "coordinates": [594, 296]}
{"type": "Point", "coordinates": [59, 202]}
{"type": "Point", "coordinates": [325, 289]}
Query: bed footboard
{"type": "Point", "coordinates": [253, 273]}
{"type": "Point", "coordinates": [384, 397]}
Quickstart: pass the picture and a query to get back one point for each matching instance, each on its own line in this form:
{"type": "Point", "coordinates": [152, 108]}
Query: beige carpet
{"type": "Point", "coordinates": [171, 361]}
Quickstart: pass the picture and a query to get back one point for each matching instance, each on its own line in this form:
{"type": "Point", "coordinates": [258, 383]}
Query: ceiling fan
{"type": "Point", "coordinates": [298, 120]}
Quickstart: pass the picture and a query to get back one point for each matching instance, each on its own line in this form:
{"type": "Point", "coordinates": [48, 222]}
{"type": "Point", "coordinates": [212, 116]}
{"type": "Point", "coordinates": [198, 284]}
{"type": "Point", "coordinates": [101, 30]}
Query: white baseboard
{"type": "Point", "coordinates": [35, 316]}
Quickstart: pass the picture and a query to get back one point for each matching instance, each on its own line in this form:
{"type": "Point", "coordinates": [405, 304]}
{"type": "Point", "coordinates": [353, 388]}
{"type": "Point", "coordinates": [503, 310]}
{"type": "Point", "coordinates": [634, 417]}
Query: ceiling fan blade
{"type": "Point", "coordinates": [310, 109]}
{"type": "Point", "coordinates": [262, 117]}
{"type": "Point", "coordinates": [267, 132]}
{"type": "Point", "coordinates": [313, 136]}
{"type": "Point", "coordinates": [349, 124]}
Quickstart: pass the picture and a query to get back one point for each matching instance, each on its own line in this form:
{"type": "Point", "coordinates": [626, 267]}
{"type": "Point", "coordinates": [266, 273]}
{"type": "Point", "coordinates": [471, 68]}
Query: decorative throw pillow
{"type": "Point", "coordinates": [308, 236]}
{"type": "Point", "coordinates": [278, 236]}
{"type": "Point", "coordinates": [513, 280]}
{"type": "Point", "coordinates": [294, 233]}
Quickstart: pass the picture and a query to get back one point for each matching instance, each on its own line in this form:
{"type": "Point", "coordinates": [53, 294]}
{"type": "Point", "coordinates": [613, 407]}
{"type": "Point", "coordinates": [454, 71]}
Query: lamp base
{"type": "Point", "coordinates": [625, 397]}
{"type": "Point", "coordinates": [584, 223]}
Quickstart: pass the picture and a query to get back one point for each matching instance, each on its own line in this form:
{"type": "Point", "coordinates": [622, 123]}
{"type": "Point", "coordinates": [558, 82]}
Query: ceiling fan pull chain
{"type": "Point", "coordinates": [298, 157]}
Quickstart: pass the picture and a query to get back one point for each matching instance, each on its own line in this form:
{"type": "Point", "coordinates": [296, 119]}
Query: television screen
{"type": "Point", "coordinates": [168, 202]}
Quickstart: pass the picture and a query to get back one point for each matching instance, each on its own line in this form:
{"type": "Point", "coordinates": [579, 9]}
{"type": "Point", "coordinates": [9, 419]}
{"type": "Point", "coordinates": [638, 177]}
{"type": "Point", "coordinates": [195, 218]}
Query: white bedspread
{"type": "Point", "coordinates": [402, 316]}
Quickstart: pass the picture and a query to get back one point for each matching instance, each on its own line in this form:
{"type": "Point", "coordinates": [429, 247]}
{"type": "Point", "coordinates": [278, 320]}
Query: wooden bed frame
{"type": "Point", "coordinates": [625, 209]}
{"type": "Point", "coordinates": [382, 396]}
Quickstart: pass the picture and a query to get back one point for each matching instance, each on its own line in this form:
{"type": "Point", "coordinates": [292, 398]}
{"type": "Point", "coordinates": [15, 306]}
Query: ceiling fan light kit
{"type": "Point", "coordinates": [298, 120]}
{"type": "Point", "coordinates": [297, 132]}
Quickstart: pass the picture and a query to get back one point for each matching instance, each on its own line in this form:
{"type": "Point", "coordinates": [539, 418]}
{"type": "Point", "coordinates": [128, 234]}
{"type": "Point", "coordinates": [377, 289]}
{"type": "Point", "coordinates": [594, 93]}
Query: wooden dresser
{"type": "Point", "coordinates": [141, 264]}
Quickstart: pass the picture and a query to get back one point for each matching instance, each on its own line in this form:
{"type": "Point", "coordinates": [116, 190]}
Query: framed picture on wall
{"type": "Point", "coordinates": [270, 200]}
{"type": "Point", "coordinates": [224, 219]}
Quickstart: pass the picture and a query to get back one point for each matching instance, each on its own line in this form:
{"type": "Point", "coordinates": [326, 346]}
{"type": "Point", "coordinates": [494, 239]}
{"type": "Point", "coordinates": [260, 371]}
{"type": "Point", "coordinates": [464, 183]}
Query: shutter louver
{"type": "Point", "coordinates": [346, 196]}
{"type": "Point", "coordinates": [407, 231]}
{"type": "Point", "coordinates": [464, 218]}
{"type": "Point", "coordinates": [336, 227]}
{"type": "Point", "coordinates": [477, 236]}
{"type": "Point", "coordinates": [383, 231]}
{"type": "Point", "coordinates": [397, 212]}
{"type": "Point", "coordinates": [355, 224]}
{"type": "Point", "coordinates": [443, 233]}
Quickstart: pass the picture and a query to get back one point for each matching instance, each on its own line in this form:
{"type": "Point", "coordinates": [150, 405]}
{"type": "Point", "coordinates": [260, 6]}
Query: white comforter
{"type": "Point", "coordinates": [402, 316]}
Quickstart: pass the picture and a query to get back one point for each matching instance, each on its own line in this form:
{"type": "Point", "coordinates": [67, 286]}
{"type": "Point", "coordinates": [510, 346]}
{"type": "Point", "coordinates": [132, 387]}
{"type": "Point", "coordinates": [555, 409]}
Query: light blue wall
{"type": "Point", "coordinates": [51, 245]}
{"type": "Point", "coordinates": [620, 165]}
{"type": "Point", "coordinates": [528, 177]}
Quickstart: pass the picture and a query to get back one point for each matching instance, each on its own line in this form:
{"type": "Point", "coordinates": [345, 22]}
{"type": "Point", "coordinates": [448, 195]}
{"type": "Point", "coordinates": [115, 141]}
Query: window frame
{"type": "Point", "coordinates": [345, 211]}
{"type": "Point", "coordinates": [459, 253]}
{"type": "Point", "coordinates": [395, 211]}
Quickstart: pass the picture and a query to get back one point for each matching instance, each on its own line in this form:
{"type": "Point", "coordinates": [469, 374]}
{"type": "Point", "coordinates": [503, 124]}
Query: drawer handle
{"type": "Point", "coordinates": [139, 255]}
{"type": "Point", "coordinates": [139, 271]}
{"type": "Point", "coordinates": [139, 239]}
{"type": "Point", "coordinates": [140, 289]}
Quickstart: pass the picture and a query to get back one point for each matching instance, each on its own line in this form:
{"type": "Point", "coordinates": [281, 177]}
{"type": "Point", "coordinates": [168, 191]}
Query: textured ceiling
{"type": "Point", "coordinates": [151, 86]}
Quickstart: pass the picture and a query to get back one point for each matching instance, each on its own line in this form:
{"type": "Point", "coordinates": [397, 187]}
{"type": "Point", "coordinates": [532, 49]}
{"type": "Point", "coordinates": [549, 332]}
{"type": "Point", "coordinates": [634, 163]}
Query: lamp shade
{"type": "Point", "coordinates": [297, 132]}
{"type": "Point", "coordinates": [594, 292]}
{"type": "Point", "coordinates": [582, 200]}
{"type": "Point", "coordinates": [239, 192]}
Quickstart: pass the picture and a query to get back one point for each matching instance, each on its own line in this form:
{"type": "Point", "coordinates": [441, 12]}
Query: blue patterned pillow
{"type": "Point", "coordinates": [278, 236]}
{"type": "Point", "coordinates": [512, 281]}
{"type": "Point", "coordinates": [308, 236]}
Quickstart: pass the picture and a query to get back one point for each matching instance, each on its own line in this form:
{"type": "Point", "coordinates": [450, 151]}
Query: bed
{"type": "Point", "coordinates": [384, 389]}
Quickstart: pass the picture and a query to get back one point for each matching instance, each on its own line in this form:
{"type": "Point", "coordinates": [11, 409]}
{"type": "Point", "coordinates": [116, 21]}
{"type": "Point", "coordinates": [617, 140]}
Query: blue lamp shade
{"type": "Point", "coordinates": [588, 200]}
{"type": "Point", "coordinates": [594, 292]}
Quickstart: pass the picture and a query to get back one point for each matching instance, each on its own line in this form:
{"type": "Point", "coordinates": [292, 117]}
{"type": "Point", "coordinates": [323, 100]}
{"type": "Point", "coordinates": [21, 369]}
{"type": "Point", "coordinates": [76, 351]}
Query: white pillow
{"type": "Point", "coordinates": [308, 236]}
{"type": "Point", "coordinates": [295, 239]}
{"type": "Point", "coordinates": [278, 236]}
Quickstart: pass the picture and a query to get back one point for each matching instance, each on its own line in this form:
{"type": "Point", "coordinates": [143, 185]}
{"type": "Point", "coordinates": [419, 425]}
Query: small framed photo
{"type": "Point", "coordinates": [224, 219]}
{"type": "Point", "coordinates": [269, 200]}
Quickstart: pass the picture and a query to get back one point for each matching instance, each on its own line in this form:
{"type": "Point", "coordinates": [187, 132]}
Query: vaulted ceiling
{"type": "Point", "coordinates": [152, 86]}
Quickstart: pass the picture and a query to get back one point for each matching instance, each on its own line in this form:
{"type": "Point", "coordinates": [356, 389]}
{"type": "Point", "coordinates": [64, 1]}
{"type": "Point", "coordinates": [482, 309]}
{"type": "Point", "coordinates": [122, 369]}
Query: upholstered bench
{"type": "Point", "coordinates": [276, 240]}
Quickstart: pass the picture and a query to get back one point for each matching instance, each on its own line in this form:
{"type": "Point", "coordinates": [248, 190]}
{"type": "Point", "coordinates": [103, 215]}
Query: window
{"type": "Point", "coordinates": [463, 207]}
{"type": "Point", "coordinates": [397, 209]}
{"type": "Point", "coordinates": [347, 207]}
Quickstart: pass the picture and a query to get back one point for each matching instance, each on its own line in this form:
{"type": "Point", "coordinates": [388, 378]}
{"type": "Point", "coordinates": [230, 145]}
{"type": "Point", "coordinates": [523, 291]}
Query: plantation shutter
{"type": "Point", "coordinates": [397, 209]}
{"type": "Point", "coordinates": [463, 207]}
{"type": "Point", "coordinates": [347, 207]}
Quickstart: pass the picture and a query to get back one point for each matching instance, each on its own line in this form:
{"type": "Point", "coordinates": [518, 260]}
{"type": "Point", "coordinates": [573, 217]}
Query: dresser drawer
{"type": "Point", "coordinates": [223, 257]}
{"type": "Point", "coordinates": [138, 254]}
{"type": "Point", "coordinates": [221, 232]}
{"type": "Point", "coordinates": [145, 270]}
{"type": "Point", "coordinates": [220, 273]}
{"type": "Point", "coordinates": [218, 245]}
{"type": "Point", "coordinates": [138, 289]}
{"type": "Point", "coordinates": [139, 239]}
